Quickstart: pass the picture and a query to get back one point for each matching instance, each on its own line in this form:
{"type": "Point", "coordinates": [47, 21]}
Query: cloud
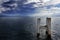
{"type": "Point", "coordinates": [52, 12]}
{"type": "Point", "coordinates": [1, 1]}
{"type": "Point", "coordinates": [43, 12]}
{"type": "Point", "coordinates": [46, 0]}
{"type": "Point", "coordinates": [5, 7]}
{"type": "Point", "coordinates": [30, 1]}
{"type": "Point", "coordinates": [55, 11]}
{"type": "Point", "coordinates": [52, 7]}
{"type": "Point", "coordinates": [53, 2]}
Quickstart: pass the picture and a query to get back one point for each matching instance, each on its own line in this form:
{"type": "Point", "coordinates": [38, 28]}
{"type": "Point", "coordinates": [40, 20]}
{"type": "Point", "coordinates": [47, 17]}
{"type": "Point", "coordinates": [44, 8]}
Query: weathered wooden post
{"type": "Point", "coordinates": [48, 32]}
{"type": "Point", "coordinates": [38, 25]}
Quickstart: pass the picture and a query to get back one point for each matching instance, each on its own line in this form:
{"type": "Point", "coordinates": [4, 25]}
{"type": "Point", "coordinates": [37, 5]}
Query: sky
{"type": "Point", "coordinates": [47, 8]}
{"type": "Point", "coordinates": [51, 8]}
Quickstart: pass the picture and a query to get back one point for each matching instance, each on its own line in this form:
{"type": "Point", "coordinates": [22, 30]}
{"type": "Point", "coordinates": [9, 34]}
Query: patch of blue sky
{"type": "Point", "coordinates": [48, 7]}
{"type": "Point", "coordinates": [57, 5]}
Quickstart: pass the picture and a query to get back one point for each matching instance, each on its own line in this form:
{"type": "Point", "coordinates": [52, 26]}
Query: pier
{"type": "Point", "coordinates": [45, 29]}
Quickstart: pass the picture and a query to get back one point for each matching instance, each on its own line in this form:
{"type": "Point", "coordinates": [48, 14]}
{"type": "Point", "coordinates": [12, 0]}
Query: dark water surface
{"type": "Point", "coordinates": [17, 28]}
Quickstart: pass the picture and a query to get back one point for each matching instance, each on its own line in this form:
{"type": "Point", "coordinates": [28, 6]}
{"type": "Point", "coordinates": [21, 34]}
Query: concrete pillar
{"type": "Point", "coordinates": [48, 23]}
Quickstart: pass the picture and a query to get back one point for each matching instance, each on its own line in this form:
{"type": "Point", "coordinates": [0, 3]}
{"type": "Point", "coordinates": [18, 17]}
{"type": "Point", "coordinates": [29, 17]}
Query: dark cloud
{"type": "Point", "coordinates": [21, 7]}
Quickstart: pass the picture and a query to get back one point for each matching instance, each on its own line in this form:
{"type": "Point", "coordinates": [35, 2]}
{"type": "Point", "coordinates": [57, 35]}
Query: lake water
{"type": "Point", "coordinates": [55, 28]}
{"type": "Point", "coordinates": [24, 28]}
{"type": "Point", "coordinates": [17, 28]}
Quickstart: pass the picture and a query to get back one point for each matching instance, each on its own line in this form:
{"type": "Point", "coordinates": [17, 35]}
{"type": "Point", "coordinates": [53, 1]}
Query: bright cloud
{"type": "Point", "coordinates": [46, 0]}
{"type": "Point", "coordinates": [53, 11]}
{"type": "Point", "coordinates": [53, 2]}
{"type": "Point", "coordinates": [33, 1]}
